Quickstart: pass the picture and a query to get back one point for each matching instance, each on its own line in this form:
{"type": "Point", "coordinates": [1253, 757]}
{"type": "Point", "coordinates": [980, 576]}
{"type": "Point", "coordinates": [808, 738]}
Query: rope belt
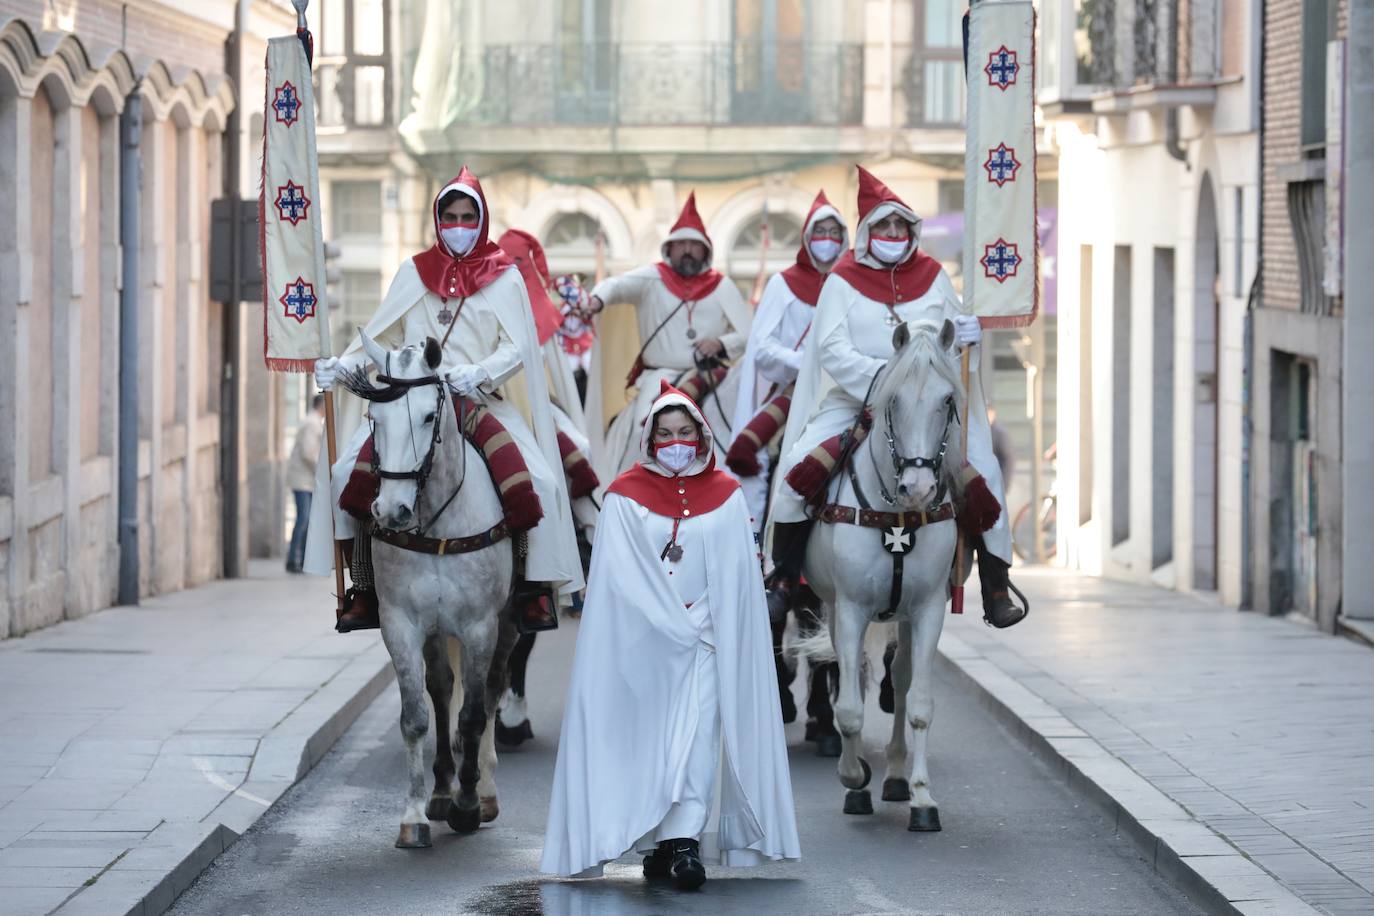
{"type": "Point", "coordinates": [442, 546]}
{"type": "Point", "coordinates": [899, 536]}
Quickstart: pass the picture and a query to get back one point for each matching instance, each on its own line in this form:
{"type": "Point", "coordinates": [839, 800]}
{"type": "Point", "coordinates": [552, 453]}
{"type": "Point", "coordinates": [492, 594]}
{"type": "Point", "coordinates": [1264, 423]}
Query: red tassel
{"type": "Point", "coordinates": [980, 510]}
{"type": "Point", "coordinates": [807, 477]}
{"type": "Point", "coordinates": [522, 507]}
{"type": "Point", "coordinates": [743, 458]}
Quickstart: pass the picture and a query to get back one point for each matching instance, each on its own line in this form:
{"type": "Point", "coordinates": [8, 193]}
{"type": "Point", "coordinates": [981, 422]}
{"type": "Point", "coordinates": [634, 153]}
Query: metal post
{"type": "Point", "coordinates": [130, 168]}
{"type": "Point", "coordinates": [1037, 400]}
{"type": "Point", "coordinates": [230, 384]}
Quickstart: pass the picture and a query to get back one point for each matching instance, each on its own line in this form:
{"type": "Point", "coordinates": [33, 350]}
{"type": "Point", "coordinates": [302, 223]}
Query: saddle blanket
{"type": "Point", "coordinates": [519, 501]}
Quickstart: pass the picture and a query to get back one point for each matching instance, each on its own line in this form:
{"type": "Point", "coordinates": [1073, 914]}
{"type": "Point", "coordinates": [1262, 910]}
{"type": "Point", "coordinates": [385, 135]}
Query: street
{"type": "Point", "coordinates": [1016, 839]}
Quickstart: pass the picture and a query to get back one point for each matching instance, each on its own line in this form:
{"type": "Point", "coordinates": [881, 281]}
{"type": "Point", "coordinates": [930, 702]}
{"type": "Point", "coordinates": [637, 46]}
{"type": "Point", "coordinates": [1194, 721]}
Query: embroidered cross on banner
{"type": "Point", "coordinates": [1000, 260]}
{"type": "Point", "coordinates": [299, 300]}
{"type": "Point", "coordinates": [291, 202]}
{"type": "Point", "coordinates": [1002, 164]}
{"type": "Point", "coordinates": [1002, 68]}
{"type": "Point", "coordinates": [287, 104]}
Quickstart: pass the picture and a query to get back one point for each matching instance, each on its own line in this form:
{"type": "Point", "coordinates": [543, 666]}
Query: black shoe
{"type": "Point", "coordinates": [658, 864]}
{"type": "Point", "coordinates": [360, 611]}
{"type": "Point", "coordinates": [688, 872]}
{"type": "Point", "coordinates": [998, 609]}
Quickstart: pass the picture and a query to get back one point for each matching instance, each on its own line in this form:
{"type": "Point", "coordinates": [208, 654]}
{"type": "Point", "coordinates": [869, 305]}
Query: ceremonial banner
{"type": "Point", "coordinates": [296, 317]}
{"type": "Point", "coordinates": [1001, 247]}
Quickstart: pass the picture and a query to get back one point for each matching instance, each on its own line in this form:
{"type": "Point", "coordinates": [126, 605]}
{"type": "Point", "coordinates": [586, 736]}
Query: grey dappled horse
{"type": "Point", "coordinates": [444, 609]}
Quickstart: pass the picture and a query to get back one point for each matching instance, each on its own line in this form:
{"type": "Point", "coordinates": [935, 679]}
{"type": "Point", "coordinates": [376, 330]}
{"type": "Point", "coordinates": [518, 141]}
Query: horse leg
{"type": "Point", "coordinates": [847, 627]}
{"type": "Point", "coordinates": [497, 677]}
{"type": "Point", "coordinates": [404, 645]}
{"type": "Point", "coordinates": [512, 717]}
{"type": "Point", "coordinates": [894, 780]}
{"type": "Point", "coordinates": [820, 717]}
{"type": "Point", "coordinates": [465, 815]}
{"type": "Point", "coordinates": [439, 683]}
{"type": "Point", "coordinates": [920, 710]}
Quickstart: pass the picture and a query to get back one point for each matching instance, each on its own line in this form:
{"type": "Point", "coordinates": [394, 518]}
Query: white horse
{"type": "Point", "coordinates": [444, 577]}
{"type": "Point", "coordinates": [891, 562]}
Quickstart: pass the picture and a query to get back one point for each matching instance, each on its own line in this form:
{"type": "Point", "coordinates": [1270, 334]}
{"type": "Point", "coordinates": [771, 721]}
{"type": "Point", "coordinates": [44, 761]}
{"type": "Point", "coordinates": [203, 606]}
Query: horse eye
{"type": "Point", "coordinates": [429, 419]}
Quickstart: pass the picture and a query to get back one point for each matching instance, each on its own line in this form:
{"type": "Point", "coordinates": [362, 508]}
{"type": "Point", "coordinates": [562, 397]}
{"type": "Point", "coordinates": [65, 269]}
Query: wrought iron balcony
{"type": "Point", "coordinates": [633, 84]}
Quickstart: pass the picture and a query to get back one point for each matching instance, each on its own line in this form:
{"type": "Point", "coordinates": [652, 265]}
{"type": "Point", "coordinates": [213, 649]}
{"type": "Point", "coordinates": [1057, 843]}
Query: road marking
{"type": "Point", "coordinates": [207, 769]}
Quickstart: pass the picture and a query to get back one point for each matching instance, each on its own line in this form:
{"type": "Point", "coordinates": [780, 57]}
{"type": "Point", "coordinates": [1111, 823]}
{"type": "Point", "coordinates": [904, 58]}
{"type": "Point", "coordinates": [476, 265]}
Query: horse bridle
{"type": "Point", "coordinates": [396, 389]}
{"type": "Point", "coordinates": [901, 462]}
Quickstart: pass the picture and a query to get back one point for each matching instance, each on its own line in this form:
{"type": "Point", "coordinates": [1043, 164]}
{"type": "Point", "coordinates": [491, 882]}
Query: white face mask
{"type": "Point", "coordinates": [889, 251]}
{"type": "Point", "coordinates": [676, 456]}
{"type": "Point", "coordinates": [459, 239]}
{"type": "Point", "coordinates": [825, 250]}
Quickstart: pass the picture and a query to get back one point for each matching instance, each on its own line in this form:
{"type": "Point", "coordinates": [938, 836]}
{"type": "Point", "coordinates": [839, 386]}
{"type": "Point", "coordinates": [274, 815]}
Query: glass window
{"type": "Point", "coordinates": [357, 207]}
{"type": "Point", "coordinates": [357, 299]}
{"type": "Point", "coordinates": [572, 234]}
{"type": "Point", "coordinates": [944, 24]}
{"type": "Point", "coordinates": [944, 92]}
{"type": "Point", "coordinates": [332, 28]}
{"type": "Point", "coordinates": [369, 28]}
{"type": "Point", "coordinates": [369, 95]}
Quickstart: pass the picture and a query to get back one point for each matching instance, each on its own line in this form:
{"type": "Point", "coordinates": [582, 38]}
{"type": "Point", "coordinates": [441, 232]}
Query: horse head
{"type": "Point", "coordinates": [407, 407]}
{"type": "Point", "coordinates": [916, 403]}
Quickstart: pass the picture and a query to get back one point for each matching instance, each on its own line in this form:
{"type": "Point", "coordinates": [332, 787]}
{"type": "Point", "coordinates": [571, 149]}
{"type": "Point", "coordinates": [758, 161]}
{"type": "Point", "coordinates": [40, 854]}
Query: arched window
{"type": "Point", "coordinates": [784, 237]}
{"type": "Point", "coordinates": [570, 243]}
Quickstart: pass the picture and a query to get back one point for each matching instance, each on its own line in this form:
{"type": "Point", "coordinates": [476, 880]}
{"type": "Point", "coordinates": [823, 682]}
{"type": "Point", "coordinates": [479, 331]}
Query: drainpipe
{"type": "Point", "coordinates": [130, 169]}
{"type": "Point", "coordinates": [231, 555]}
{"type": "Point", "coordinates": [1172, 144]}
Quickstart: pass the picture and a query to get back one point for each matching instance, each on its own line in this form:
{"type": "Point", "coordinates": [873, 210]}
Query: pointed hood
{"type": "Point", "coordinates": [524, 249]}
{"type": "Point", "coordinates": [805, 278]}
{"type": "Point", "coordinates": [454, 276]}
{"type": "Point", "coordinates": [689, 227]}
{"type": "Point", "coordinates": [701, 487]}
{"type": "Point", "coordinates": [911, 276]}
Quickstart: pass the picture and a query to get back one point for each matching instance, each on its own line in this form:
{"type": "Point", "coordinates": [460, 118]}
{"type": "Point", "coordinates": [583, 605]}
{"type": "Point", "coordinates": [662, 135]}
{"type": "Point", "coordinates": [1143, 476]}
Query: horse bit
{"type": "Point", "coordinates": [901, 462]}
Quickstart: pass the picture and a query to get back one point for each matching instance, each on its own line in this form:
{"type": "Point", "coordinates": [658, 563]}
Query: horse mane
{"type": "Point", "coordinates": [907, 368]}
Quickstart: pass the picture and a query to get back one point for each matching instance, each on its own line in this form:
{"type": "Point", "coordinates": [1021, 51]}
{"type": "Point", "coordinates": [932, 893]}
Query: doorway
{"type": "Point", "coordinates": [1206, 309]}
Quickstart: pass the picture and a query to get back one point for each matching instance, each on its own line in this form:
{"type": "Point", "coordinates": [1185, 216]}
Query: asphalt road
{"type": "Point", "coordinates": [1016, 839]}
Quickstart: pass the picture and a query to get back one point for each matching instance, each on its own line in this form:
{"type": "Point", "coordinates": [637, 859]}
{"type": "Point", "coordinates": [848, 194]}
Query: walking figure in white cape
{"type": "Point", "coordinates": [673, 698]}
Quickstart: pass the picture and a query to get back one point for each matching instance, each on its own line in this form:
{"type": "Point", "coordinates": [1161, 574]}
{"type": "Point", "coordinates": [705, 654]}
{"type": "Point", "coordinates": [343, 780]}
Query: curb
{"type": "Point", "coordinates": [147, 880]}
{"type": "Point", "coordinates": [1185, 851]}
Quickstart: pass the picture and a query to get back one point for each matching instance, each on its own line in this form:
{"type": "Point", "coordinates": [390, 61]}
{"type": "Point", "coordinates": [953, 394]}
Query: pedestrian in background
{"type": "Point", "coordinates": [300, 477]}
{"type": "Point", "coordinates": [1002, 449]}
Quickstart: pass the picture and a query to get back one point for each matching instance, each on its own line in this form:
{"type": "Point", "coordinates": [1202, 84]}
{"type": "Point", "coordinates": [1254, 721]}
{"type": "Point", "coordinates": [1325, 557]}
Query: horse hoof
{"type": "Point", "coordinates": [491, 809]}
{"type": "Point", "coordinates": [464, 819]}
{"type": "Point", "coordinates": [858, 801]}
{"type": "Point", "coordinates": [438, 806]}
{"type": "Point", "coordinates": [924, 820]}
{"type": "Point", "coordinates": [895, 789]}
{"type": "Point", "coordinates": [829, 745]}
{"type": "Point", "coordinates": [413, 836]}
{"type": "Point", "coordinates": [515, 735]}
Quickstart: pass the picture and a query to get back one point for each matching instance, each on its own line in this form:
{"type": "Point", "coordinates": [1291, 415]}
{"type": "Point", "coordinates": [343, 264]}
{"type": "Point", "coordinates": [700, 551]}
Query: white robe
{"type": "Point", "coordinates": [849, 342]}
{"type": "Point", "coordinates": [771, 362]}
{"type": "Point", "coordinates": [631, 745]}
{"type": "Point", "coordinates": [495, 330]}
{"type": "Point", "coordinates": [723, 314]}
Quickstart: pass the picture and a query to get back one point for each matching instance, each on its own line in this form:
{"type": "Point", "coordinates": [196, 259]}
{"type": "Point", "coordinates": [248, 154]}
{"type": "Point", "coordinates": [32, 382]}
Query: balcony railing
{"type": "Point", "coordinates": [633, 84]}
{"type": "Point", "coordinates": [1123, 43]}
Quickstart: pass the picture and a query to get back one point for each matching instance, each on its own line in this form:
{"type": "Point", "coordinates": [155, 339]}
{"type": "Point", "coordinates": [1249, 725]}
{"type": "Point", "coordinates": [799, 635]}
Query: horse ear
{"type": "Point", "coordinates": [947, 335]}
{"type": "Point", "coordinates": [901, 336]}
{"type": "Point", "coordinates": [375, 351]}
{"type": "Point", "coordinates": [433, 355]}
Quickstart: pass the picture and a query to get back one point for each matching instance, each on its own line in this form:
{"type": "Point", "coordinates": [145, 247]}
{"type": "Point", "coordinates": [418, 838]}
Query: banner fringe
{"type": "Point", "coordinates": [278, 364]}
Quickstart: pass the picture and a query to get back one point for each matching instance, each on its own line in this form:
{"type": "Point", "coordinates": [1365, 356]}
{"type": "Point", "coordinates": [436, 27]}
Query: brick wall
{"type": "Point", "coordinates": [1282, 99]}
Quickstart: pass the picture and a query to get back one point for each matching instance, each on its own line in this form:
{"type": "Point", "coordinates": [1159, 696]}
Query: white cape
{"type": "Point", "coordinates": [627, 726]}
{"type": "Point", "coordinates": [553, 539]}
{"type": "Point", "coordinates": [777, 296]}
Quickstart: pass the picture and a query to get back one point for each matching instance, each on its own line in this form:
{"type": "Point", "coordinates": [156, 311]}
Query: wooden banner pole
{"type": "Point", "coordinates": [956, 594]}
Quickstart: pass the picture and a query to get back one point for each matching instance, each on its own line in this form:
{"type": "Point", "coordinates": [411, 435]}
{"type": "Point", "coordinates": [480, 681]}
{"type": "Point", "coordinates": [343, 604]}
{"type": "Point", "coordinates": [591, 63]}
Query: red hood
{"type": "Point", "coordinates": [528, 255]}
{"type": "Point", "coordinates": [804, 278]}
{"type": "Point", "coordinates": [457, 277]}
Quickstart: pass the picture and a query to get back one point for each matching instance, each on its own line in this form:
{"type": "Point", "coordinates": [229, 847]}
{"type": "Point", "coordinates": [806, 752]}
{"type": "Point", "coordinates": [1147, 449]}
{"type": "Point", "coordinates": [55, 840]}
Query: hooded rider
{"type": "Point", "coordinates": [690, 321]}
{"type": "Point", "coordinates": [882, 283]}
{"type": "Point", "coordinates": [465, 292]}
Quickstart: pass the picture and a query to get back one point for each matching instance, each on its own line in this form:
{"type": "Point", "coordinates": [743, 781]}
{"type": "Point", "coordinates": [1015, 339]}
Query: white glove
{"type": "Point", "coordinates": [464, 380]}
{"type": "Point", "coordinates": [326, 372]}
{"type": "Point", "coordinates": [967, 330]}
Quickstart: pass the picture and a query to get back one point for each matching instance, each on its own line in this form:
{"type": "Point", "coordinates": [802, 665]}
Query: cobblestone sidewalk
{"type": "Point", "coordinates": [1259, 728]}
{"type": "Point", "coordinates": [135, 744]}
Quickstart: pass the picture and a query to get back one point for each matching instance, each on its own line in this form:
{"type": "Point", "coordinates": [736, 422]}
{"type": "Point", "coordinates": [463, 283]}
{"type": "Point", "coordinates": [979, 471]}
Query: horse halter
{"type": "Point", "coordinates": [901, 462]}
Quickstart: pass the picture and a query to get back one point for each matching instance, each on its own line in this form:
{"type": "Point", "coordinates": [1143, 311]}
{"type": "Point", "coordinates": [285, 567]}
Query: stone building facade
{"type": "Point", "coordinates": [68, 71]}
